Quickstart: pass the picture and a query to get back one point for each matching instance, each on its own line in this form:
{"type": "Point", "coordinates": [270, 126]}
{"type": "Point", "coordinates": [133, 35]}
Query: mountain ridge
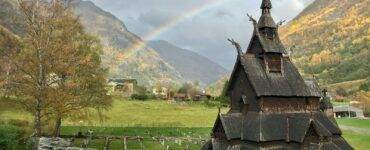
{"type": "Point", "coordinates": [123, 61]}
{"type": "Point", "coordinates": [190, 64]}
{"type": "Point", "coordinates": [143, 64]}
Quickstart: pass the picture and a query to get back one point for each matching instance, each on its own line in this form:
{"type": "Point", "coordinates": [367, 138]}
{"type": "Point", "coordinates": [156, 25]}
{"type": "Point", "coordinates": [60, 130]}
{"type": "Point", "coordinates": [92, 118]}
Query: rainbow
{"type": "Point", "coordinates": [171, 24]}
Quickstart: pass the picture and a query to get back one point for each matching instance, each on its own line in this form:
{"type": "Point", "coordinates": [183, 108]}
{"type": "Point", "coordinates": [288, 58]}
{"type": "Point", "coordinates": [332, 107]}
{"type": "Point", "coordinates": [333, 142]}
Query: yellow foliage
{"type": "Point", "coordinates": [364, 99]}
{"type": "Point", "coordinates": [323, 57]}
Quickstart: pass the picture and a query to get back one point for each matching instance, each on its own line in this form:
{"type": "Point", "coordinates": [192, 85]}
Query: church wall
{"type": "Point", "coordinates": [219, 144]}
{"type": "Point", "coordinates": [286, 105]}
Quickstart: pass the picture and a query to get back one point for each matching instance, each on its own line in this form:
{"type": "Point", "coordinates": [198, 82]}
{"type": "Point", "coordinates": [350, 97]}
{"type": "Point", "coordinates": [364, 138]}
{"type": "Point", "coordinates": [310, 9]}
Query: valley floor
{"type": "Point", "coordinates": [179, 121]}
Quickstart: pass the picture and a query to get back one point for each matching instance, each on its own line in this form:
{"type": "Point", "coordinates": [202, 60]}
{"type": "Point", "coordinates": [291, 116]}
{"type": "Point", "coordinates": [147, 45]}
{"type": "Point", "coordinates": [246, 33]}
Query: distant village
{"type": "Point", "coordinates": [129, 88]}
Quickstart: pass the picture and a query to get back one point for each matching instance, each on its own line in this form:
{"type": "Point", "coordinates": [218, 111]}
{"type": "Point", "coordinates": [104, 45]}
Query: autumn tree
{"type": "Point", "coordinates": [188, 89]}
{"type": "Point", "coordinates": [9, 45]}
{"type": "Point", "coordinates": [58, 71]}
{"type": "Point", "coordinates": [363, 98]}
{"type": "Point", "coordinates": [80, 78]}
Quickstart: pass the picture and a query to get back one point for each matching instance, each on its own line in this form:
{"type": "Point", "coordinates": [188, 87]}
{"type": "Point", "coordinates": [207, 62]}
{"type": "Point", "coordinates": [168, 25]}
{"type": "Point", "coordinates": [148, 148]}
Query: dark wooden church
{"type": "Point", "coordinates": [272, 107]}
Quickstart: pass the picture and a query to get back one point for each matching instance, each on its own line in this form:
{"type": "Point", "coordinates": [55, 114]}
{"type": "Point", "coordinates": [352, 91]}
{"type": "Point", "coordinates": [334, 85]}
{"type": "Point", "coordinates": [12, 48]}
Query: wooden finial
{"type": "Point", "coordinates": [237, 46]}
{"type": "Point", "coordinates": [280, 23]}
{"type": "Point", "coordinates": [252, 19]}
{"type": "Point", "coordinates": [219, 110]}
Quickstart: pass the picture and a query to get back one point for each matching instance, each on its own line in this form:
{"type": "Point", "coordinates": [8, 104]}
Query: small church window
{"type": "Point", "coordinates": [245, 100]}
{"type": "Point", "coordinates": [268, 32]}
{"type": "Point", "coordinates": [274, 63]}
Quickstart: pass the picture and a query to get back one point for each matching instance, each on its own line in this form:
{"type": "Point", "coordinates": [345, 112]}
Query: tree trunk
{"type": "Point", "coordinates": [58, 125]}
{"type": "Point", "coordinates": [37, 123]}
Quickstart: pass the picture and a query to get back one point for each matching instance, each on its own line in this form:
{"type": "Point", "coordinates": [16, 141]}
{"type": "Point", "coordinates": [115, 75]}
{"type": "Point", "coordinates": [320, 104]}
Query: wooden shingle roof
{"type": "Point", "coordinates": [288, 83]}
{"type": "Point", "coordinates": [232, 125]}
{"type": "Point", "coordinates": [256, 127]}
{"type": "Point", "coordinates": [271, 45]}
{"type": "Point", "coordinates": [281, 127]}
{"type": "Point", "coordinates": [266, 21]}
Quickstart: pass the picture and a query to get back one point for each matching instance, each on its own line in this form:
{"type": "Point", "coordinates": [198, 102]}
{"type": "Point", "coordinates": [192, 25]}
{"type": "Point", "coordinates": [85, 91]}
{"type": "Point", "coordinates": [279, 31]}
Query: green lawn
{"type": "Point", "coordinates": [340, 103]}
{"type": "Point", "coordinates": [365, 124]}
{"type": "Point", "coordinates": [154, 113]}
{"type": "Point", "coordinates": [357, 140]}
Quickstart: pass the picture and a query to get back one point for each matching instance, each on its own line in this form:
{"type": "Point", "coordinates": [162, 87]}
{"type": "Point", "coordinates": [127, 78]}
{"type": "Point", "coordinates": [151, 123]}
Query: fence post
{"type": "Point", "coordinates": [107, 142]}
{"type": "Point", "coordinates": [124, 143]}
{"type": "Point", "coordinates": [141, 143]}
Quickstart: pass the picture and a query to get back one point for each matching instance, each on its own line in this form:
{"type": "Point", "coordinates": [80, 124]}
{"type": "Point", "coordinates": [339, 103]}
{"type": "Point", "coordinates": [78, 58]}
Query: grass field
{"type": "Point", "coordinates": [364, 124]}
{"type": "Point", "coordinates": [154, 113]}
{"type": "Point", "coordinates": [161, 118]}
{"type": "Point", "coordinates": [359, 141]}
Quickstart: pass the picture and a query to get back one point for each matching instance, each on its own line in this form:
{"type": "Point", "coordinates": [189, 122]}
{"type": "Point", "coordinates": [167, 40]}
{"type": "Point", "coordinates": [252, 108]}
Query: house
{"type": "Point", "coordinates": [272, 107]}
{"type": "Point", "coordinates": [348, 111]}
{"type": "Point", "coordinates": [202, 95]}
{"type": "Point", "coordinates": [161, 92]}
{"type": "Point", "coordinates": [127, 87]}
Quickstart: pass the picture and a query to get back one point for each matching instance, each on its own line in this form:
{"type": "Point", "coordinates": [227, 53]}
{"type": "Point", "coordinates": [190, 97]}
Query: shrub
{"type": "Point", "coordinates": [364, 87]}
{"type": "Point", "coordinates": [224, 101]}
{"type": "Point", "coordinates": [19, 123]}
{"type": "Point", "coordinates": [211, 103]}
{"type": "Point", "coordinates": [140, 97]}
{"type": "Point", "coordinates": [9, 136]}
{"type": "Point", "coordinates": [342, 92]}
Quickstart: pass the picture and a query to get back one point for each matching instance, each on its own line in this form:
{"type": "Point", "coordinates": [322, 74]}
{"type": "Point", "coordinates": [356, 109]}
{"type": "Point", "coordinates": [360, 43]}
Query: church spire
{"type": "Point", "coordinates": [266, 19]}
{"type": "Point", "coordinates": [266, 4]}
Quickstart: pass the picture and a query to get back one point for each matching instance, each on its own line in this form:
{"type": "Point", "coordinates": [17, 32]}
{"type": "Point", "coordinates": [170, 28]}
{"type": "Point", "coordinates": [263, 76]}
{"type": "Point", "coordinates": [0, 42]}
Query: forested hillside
{"type": "Point", "coordinates": [330, 39]}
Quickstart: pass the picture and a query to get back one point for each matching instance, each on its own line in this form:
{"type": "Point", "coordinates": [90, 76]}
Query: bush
{"type": "Point", "coordinates": [9, 136]}
{"type": "Point", "coordinates": [364, 87]}
{"type": "Point", "coordinates": [142, 97]}
{"type": "Point", "coordinates": [211, 103]}
{"type": "Point", "coordinates": [342, 92]}
{"type": "Point", "coordinates": [224, 101]}
{"type": "Point", "coordinates": [19, 123]}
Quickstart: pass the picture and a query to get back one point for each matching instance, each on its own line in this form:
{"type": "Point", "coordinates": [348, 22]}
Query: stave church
{"type": "Point", "coordinates": [272, 107]}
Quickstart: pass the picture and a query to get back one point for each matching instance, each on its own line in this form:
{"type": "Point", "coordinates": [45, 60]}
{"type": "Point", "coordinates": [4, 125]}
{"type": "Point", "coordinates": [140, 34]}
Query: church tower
{"type": "Point", "coordinates": [272, 107]}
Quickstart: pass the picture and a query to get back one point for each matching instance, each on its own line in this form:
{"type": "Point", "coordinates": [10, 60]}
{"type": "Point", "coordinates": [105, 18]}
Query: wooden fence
{"type": "Point", "coordinates": [87, 141]}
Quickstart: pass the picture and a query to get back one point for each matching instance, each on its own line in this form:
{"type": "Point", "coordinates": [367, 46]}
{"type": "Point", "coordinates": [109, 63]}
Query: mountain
{"type": "Point", "coordinates": [126, 54]}
{"type": "Point", "coordinates": [191, 65]}
{"type": "Point", "coordinates": [330, 39]}
{"type": "Point", "coordinates": [142, 63]}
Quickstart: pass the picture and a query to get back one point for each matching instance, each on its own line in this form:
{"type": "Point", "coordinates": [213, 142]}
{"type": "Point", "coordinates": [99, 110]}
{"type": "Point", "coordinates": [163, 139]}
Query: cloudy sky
{"type": "Point", "coordinates": [198, 25]}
